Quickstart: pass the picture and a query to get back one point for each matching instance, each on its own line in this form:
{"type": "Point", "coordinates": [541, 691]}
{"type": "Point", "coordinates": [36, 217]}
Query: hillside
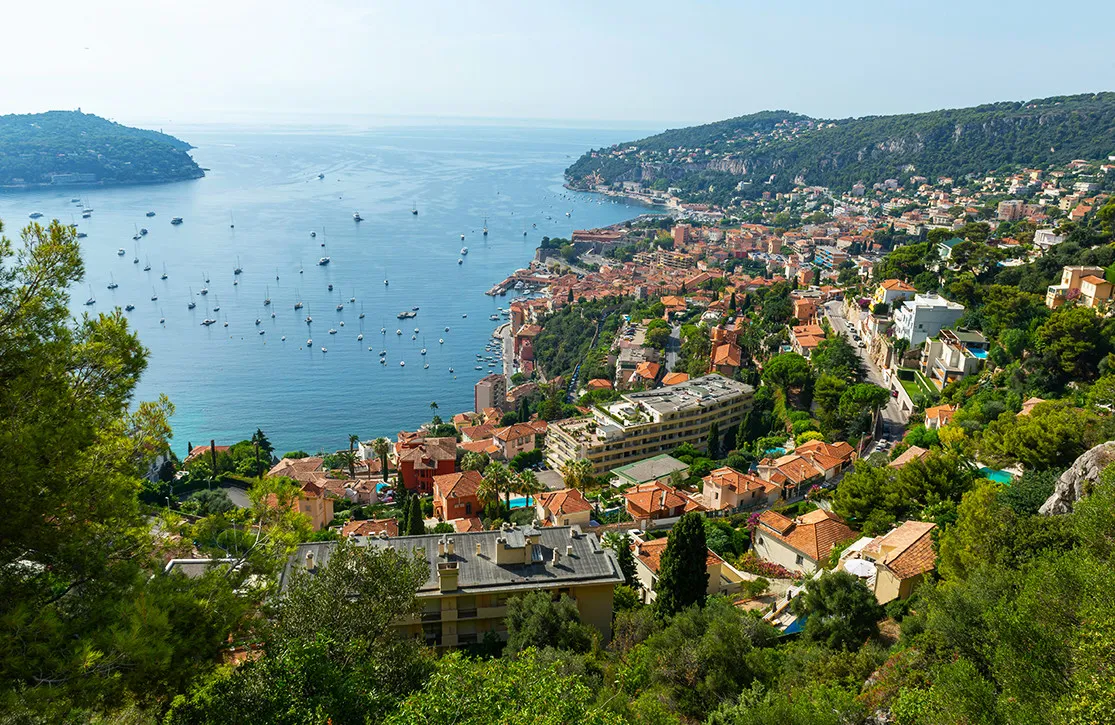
{"type": "Point", "coordinates": [769, 151]}
{"type": "Point", "coordinates": [36, 148]}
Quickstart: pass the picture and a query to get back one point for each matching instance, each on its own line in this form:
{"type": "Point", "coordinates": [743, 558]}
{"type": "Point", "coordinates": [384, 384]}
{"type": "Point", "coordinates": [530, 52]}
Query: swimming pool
{"type": "Point", "coordinates": [978, 353]}
{"type": "Point", "coordinates": [1003, 477]}
{"type": "Point", "coordinates": [521, 502]}
{"type": "Point", "coordinates": [775, 452]}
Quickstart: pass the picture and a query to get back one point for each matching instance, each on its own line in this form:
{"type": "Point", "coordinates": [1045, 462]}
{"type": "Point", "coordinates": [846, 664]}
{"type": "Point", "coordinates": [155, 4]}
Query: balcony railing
{"type": "Point", "coordinates": [431, 616]}
{"type": "Point", "coordinates": [466, 613]}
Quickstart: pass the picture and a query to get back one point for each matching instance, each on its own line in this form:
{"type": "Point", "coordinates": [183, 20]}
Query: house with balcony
{"type": "Point", "coordinates": [894, 564]}
{"type": "Point", "coordinates": [890, 291]}
{"type": "Point", "coordinates": [419, 459]}
{"type": "Point", "coordinates": [1083, 285]}
{"type": "Point", "coordinates": [728, 489]}
{"type": "Point", "coordinates": [811, 463]}
{"type": "Point", "coordinates": [472, 575]}
{"type": "Point", "coordinates": [515, 439]}
{"type": "Point", "coordinates": [799, 544]}
{"type": "Point", "coordinates": [953, 355]}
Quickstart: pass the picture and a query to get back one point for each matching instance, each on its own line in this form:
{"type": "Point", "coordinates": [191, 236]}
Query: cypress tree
{"type": "Point", "coordinates": [743, 432]}
{"type": "Point", "coordinates": [732, 302]}
{"type": "Point", "coordinates": [683, 570]}
{"type": "Point", "coordinates": [415, 525]}
{"type": "Point", "coordinates": [714, 441]}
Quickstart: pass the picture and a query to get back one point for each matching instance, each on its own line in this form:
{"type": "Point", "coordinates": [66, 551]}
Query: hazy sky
{"type": "Point", "coordinates": [645, 63]}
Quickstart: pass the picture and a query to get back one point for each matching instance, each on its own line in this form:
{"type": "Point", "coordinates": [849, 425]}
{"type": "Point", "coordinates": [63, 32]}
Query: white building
{"type": "Point", "coordinates": [925, 316]}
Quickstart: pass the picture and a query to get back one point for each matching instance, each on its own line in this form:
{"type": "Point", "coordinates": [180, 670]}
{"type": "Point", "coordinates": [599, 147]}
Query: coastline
{"type": "Point", "coordinates": [18, 188]}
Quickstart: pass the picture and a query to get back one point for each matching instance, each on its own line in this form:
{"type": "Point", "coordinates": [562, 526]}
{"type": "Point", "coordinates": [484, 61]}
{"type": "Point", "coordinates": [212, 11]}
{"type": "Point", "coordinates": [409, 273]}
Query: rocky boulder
{"type": "Point", "coordinates": [1075, 483]}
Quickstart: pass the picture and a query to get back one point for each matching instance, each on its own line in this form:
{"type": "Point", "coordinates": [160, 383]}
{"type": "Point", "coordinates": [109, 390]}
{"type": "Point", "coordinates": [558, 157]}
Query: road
{"type": "Point", "coordinates": [673, 347]}
{"type": "Point", "coordinates": [894, 419]}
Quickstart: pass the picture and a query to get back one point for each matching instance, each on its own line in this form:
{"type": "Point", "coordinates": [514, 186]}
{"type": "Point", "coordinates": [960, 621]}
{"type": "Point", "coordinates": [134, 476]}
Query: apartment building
{"type": "Point", "coordinates": [1084, 285]}
{"type": "Point", "coordinates": [490, 392]}
{"type": "Point", "coordinates": [472, 575]}
{"type": "Point", "coordinates": [924, 317]}
{"type": "Point", "coordinates": [644, 424]}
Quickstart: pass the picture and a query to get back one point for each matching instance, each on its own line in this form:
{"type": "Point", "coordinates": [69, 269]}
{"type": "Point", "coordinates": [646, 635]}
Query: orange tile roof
{"type": "Point", "coordinates": [897, 285]}
{"type": "Point", "coordinates": [911, 454]}
{"type": "Point", "coordinates": [464, 525]}
{"type": "Point", "coordinates": [942, 412]}
{"type": "Point", "coordinates": [564, 501]}
{"type": "Point", "coordinates": [480, 446]}
{"type": "Point", "coordinates": [371, 527]}
{"type": "Point", "coordinates": [652, 498]}
{"type": "Point", "coordinates": [599, 384]}
{"type": "Point", "coordinates": [906, 550]}
{"type": "Point", "coordinates": [300, 469]}
{"type": "Point", "coordinates": [512, 432]}
{"type": "Point", "coordinates": [813, 534]}
{"type": "Point", "coordinates": [460, 484]}
{"type": "Point", "coordinates": [648, 370]}
{"type": "Point", "coordinates": [733, 480]}
{"type": "Point", "coordinates": [650, 553]}
{"type": "Point", "coordinates": [675, 378]}
{"type": "Point", "coordinates": [727, 354]}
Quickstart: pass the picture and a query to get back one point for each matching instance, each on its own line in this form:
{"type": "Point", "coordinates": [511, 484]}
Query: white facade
{"type": "Point", "coordinates": [771, 548]}
{"type": "Point", "coordinates": [925, 316]}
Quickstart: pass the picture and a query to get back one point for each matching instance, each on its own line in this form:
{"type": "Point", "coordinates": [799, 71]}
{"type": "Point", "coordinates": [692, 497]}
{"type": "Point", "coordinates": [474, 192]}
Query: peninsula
{"type": "Point", "coordinates": [743, 158]}
{"type": "Point", "coordinates": [67, 148]}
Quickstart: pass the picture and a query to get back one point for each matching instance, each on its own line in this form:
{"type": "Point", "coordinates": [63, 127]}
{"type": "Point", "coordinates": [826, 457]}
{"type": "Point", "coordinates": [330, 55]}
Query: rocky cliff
{"type": "Point", "coordinates": [1077, 482]}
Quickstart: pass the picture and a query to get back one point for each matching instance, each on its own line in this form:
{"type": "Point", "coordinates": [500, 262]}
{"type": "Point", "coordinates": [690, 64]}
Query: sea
{"type": "Point", "coordinates": [265, 191]}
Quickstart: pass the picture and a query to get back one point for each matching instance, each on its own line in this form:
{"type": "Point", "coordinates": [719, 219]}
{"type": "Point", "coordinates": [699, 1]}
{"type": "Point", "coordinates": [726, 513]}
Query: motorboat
{"type": "Point", "coordinates": [176, 220]}
{"type": "Point", "coordinates": [359, 337]}
{"type": "Point", "coordinates": [340, 306]}
{"type": "Point", "coordinates": [460, 261]}
{"type": "Point", "coordinates": [150, 213]}
{"type": "Point", "coordinates": [332, 331]}
{"type": "Point", "coordinates": [464, 251]}
{"type": "Point", "coordinates": [127, 308]}
{"type": "Point", "coordinates": [398, 332]}
{"type": "Point", "coordinates": [36, 215]}
{"type": "Point", "coordinates": [441, 341]}
{"type": "Point", "coordinates": [356, 217]}
{"type": "Point", "coordinates": [313, 235]}
{"type": "Point", "coordinates": [323, 261]}
{"type": "Point", "coordinates": [402, 363]}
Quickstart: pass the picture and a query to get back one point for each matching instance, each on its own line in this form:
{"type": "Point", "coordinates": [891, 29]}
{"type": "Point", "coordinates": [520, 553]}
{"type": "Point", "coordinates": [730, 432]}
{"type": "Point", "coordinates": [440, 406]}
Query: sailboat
{"type": "Point", "coordinates": [298, 301]}
{"type": "Point", "coordinates": [135, 259]}
{"type": "Point", "coordinates": [216, 304]}
{"type": "Point", "coordinates": [485, 226]}
{"type": "Point", "coordinates": [147, 265]}
{"type": "Point", "coordinates": [361, 310]}
{"type": "Point", "coordinates": [154, 295]}
{"type": "Point", "coordinates": [112, 282]}
{"type": "Point", "coordinates": [136, 237]}
{"type": "Point", "coordinates": [231, 221]}
{"type": "Point", "coordinates": [353, 298]}
{"type": "Point", "coordinates": [163, 276]}
{"type": "Point", "coordinates": [267, 299]}
{"type": "Point", "coordinates": [191, 304]}
{"type": "Point", "coordinates": [237, 270]}
{"type": "Point", "coordinates": [414, 209]}
{"type": "Point", "coordinates": [92, 300]}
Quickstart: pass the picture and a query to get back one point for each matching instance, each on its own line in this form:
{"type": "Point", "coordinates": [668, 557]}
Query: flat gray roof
{"type": "Point", "coordinates": [650, 469]}
{"type": "Point", "coordinates": [590, 563]}
{"type": "Point", "coordinates": [704, 391]}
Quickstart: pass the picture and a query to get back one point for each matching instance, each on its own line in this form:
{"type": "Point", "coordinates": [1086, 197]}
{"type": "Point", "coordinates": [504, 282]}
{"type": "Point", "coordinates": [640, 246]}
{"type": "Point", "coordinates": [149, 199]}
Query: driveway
{"type": "Point", "coordinates": [894, 418]}
{"type": "Point", "coordinates": [673, 347]}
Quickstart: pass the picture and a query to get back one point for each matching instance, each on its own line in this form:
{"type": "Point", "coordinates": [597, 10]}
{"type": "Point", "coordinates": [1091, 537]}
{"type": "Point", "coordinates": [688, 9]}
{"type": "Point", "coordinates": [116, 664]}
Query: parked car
{"type": "Point", "coordinates": [894, 393]}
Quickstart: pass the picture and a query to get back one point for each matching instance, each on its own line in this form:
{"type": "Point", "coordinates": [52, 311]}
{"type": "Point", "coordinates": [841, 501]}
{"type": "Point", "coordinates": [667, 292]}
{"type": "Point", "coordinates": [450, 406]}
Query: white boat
{"type": "Point", "coordinates": [217, 304]}
{"type": "Point", "coordinates": [342, 323]}
{"type": "Point", "coordinates": [485, 226]}
{"type": "Point", "coordinates": [460, 261]}
{"type": "Point", "coordinates": [323, 261]}
{"type": "Point", "coordinates": [462, 237]}
{"type": "Point", "coordinates": [450, 369]}
{"type": "Point", "coordinates": [359, 337]}
{"type": "Point", "coordinates": [258, 321]}
{"type": "Point", "coordinates": [282, 339]}
{"type": "Point", "coordinates": [112, 282]}
{"type": "Point", "coordinates": [398, 332]}
{"type": "Point", "coordinates": [464, 250]}
{"type": "Point", "coordinates": [441, 341]}
{"type": "Point", "coordinates": [340, 306]}
{"type": "Point", "coordinates": [154, 295]}
{"type": "Point", "coordinates": [147, 265]}
{"type": "Point", "coordinates": [237, 269]}
{"type": "Point", "coordinates": [262, 332]}
{"type": "Point", "coordinates": [356, 217]}
{"type": "Point", "coordinates": [310, 341]}
{"type": "Point", "coordinates": [207, 322]}
{"type": "Point", "coordinates": [332, 331]}
{"type": "Point", "coordinates": [324, 349]}
{"type": "Point", "coordinates": [163, 275]}
{"type": "Point", "coordinates": [92, 300]}
{"type": "Point", "coordinates": [426, 366]}
{"type": "Point", "coordinates": [402, 363]}
{"type": "Point", "coordinates": [267, 299]}
{"type": "Point", "coordinates": [464, 315]}
{"type": "Point", "coordinates": [313, 234]}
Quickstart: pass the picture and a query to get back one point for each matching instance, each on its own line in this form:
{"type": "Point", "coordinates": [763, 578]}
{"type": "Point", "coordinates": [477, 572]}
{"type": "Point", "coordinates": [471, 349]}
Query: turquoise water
{"type": "Point", "coordinates": [1003, 477]}
{"type": "Point", "coordinates": [520, 502]}
{"type": "Point", "coordinates": [226, 382]}
{"type": "Point", "coordinates": [978, 352]}
{"type": "Point", "coordinates": [775, 452]}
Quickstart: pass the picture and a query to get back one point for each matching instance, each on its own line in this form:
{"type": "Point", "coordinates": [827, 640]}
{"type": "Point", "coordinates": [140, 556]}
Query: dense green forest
{"type": "Point", "coordinates": [34, 146]}
{"type": "Point", "coordinates": [838, 153]}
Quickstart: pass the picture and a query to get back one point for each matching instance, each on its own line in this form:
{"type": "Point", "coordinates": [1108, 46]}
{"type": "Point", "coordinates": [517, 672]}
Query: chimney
{"type": "Point", "coordinates": [447, 573]}
{"type": "Point", "coordinates": [441, 548]}
{"type": "Point", "coordinates": [309, 560]}
{"type": "Point", "coordinates": [478, 548]}
{"type": "Point", "coordinates": [569, 550]}
{"type": "Point", "coordinates": [449, 547]}
{"type": "Point", "coordinates": [557, 557]}
{"type": "Point", "coordinates": [662, 503]}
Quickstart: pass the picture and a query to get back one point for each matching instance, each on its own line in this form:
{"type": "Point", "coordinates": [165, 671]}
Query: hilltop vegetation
{"type": "Point", "coordinates": [768, 151]}
{"type": "Point", "coordinates": [35, 146]}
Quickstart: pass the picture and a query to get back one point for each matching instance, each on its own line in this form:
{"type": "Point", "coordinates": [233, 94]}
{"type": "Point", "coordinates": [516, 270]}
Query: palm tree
{"type": "Point", "coordinates": [474, 461]}
{"type": "Point", "coordinates": [499, 477]}
{"type": "Point", "coordinates": [528, 484]}
{"type": "Point", "coordinates": [576, 474]}
{"type": "Point", "coordinates": [382, 447]}
{"type": "Point", "coordinates": [487, 491]}
{"type": "Point", "coordinates": [348, 458]}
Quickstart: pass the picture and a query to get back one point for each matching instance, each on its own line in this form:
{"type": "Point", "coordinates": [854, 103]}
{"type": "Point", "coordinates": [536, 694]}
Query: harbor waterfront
{"type": "Point", "coordinates": [275, 203]}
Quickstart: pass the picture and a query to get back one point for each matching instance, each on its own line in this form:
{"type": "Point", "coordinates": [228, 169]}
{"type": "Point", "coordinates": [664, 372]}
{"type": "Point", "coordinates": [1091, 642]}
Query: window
{"type": "Point", "coordinates": [468, 509]}
{"type": "Point", "coordinates": [799, 560]}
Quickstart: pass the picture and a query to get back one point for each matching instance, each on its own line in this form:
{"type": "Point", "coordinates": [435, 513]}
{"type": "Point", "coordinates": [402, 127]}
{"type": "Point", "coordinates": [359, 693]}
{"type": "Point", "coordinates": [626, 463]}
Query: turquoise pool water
{"type": "Point", "coordinates": [1002, 477]}
{"type": "Point", "coordinates": [775, 452]}
{"type": "Point", "coordinates": [521, 502]}
{"type": "Point", "coordinates": [978, 353]}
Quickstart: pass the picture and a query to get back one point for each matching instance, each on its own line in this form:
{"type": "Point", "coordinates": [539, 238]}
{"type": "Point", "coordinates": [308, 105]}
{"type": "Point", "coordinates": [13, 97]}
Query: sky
{"type": "Point", "coordinates": [633, 63]}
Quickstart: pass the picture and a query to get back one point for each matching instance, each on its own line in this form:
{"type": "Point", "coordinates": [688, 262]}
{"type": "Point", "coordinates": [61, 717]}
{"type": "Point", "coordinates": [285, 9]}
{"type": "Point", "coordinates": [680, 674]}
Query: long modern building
{"type": "Point", "coordinates": [473, 574]}
{"type": "Point", "coordinates": [644, 424]}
